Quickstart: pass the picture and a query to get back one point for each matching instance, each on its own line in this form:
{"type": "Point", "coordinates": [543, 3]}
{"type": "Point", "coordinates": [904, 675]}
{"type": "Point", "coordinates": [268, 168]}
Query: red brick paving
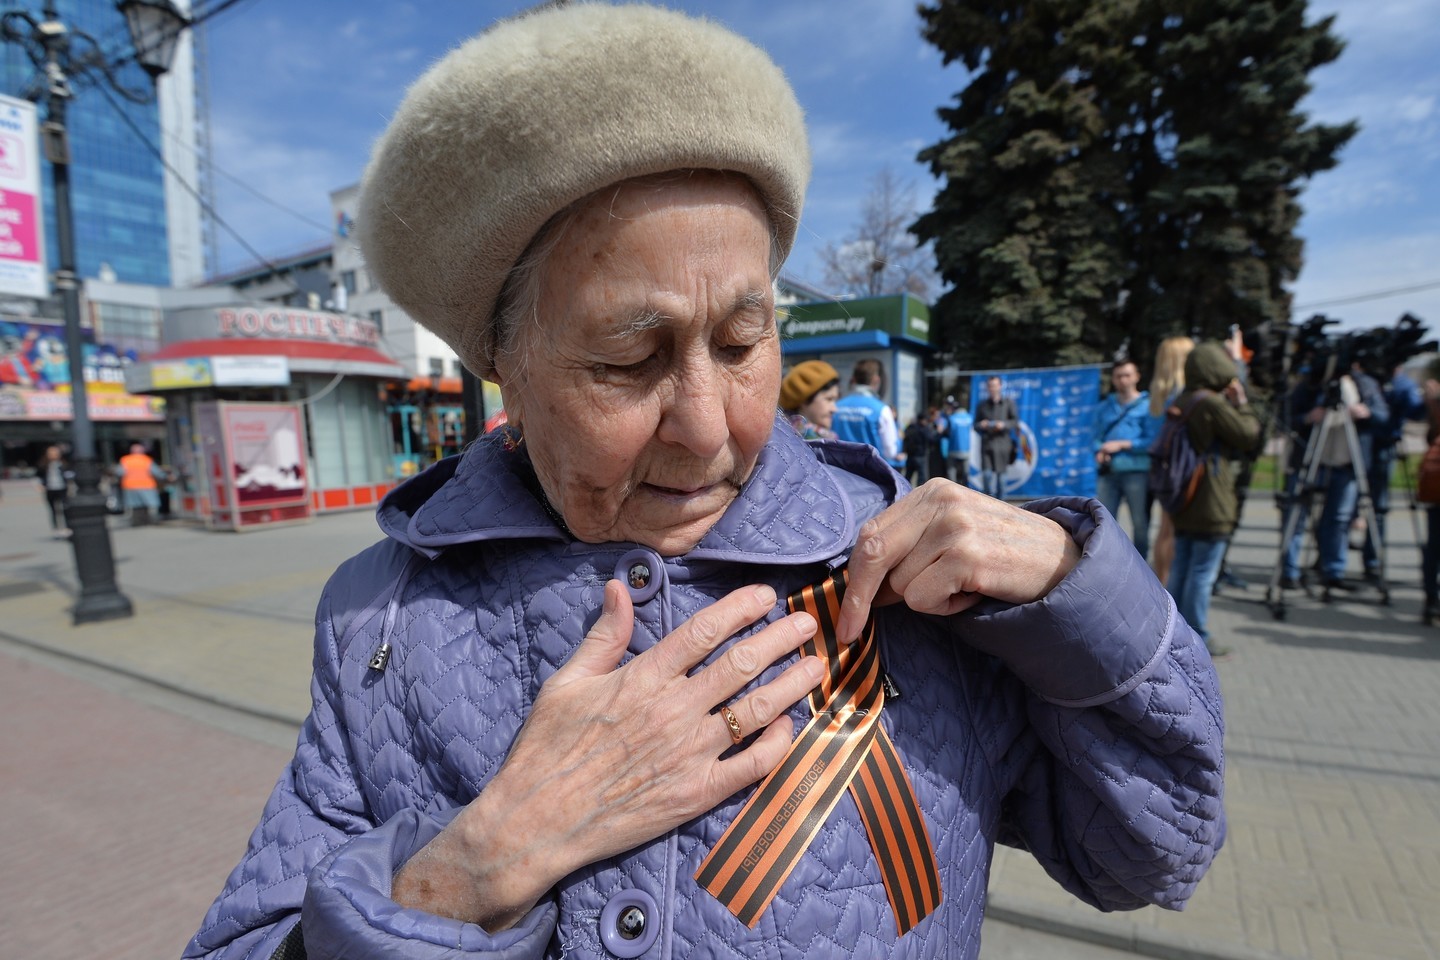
{"type": "Point", "coordinates": [119, 821]}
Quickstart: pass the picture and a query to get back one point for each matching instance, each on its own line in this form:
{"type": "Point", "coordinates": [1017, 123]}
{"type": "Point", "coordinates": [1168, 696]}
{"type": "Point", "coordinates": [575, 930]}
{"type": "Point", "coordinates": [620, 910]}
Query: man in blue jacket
{"type": "Point", "coordinates": [862, 417]}
{"type": "Point", "coordinates": [1121, 439]}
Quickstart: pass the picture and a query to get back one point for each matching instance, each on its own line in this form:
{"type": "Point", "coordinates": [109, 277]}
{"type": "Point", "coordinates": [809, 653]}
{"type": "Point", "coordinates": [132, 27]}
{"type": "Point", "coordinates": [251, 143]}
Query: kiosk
{"type": "Point", "coordinates": [893, 329]}
{"type": "Point", "coordinates": [326, 367]}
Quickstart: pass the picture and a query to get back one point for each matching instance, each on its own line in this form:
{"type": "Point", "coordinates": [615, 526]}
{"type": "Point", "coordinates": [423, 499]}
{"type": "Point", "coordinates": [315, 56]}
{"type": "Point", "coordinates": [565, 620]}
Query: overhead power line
{"type": "Point", "coordinates": [308, 221]}
{"type": "Point", "coordinates": [189, 188]}
{"type": "Point", "coordinates": [1364, 297]}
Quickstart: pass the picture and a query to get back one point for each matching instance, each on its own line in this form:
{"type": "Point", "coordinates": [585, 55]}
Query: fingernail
{"type": "Point", "coordinates": [804, 622]}
{"type": "Point", "coordinates": [765, 595]}
{"type": "Point", "coordinates": [814, 670]}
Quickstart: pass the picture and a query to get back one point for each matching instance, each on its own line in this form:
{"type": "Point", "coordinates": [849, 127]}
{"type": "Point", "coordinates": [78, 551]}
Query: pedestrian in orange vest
{"type": "Point", "coordinates": [139, 476]}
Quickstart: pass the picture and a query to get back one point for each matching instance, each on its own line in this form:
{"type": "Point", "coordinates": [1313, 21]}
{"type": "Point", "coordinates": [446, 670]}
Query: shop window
{"type": "Point", "coordinates": [347, 434]}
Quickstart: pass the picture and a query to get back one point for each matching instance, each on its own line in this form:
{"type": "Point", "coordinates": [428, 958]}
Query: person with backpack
{"type": "Point", "coordinates": [1218, 425]}
{"type": "Point", "coordinates": [1167, 382]}
{"type": "Point", "coordinates": [1122, 437]}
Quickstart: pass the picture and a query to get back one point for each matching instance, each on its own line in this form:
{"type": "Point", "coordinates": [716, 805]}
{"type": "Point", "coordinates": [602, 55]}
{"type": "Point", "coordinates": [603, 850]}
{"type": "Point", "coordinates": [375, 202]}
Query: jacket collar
{"type": "Point", "coordinates": [790, 511]}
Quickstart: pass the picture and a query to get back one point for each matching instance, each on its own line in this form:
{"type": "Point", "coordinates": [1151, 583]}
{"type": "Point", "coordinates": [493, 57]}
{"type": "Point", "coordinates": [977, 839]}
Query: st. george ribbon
{"type": "Point", "coordinates": [842, 746]}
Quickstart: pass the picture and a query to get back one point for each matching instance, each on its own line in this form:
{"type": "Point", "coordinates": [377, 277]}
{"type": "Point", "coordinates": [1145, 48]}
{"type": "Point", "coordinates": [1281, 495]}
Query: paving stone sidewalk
{"type": "Point", "coordinates": [1333, 743]}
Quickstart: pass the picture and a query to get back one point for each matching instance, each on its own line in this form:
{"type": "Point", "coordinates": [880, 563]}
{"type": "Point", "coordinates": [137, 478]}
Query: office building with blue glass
{"type": "Point", "coordinates": [133, 222]}
{"type": "Point", "coordinates": [137, 226]}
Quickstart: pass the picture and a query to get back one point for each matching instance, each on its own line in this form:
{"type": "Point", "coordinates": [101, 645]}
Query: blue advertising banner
{"type": "Point", "coordinates": [1057, 414]}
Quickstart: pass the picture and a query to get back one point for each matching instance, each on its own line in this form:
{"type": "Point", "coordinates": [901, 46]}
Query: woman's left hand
{"type": "Point", "coordinates": [944, 548]}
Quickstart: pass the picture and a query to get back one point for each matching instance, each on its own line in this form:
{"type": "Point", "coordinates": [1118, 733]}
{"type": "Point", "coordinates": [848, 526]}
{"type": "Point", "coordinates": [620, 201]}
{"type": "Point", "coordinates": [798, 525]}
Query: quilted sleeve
{"type": "Point", "coordinates": [1114, 777]}
{"type": "Point", "coordinates": [318, 858]}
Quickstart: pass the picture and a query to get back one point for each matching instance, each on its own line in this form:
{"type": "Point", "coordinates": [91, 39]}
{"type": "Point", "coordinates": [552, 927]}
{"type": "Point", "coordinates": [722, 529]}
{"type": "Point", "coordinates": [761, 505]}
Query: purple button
{"type": "Point", "coordinates": [629, 923]}
{"type": "Point", "coordinates": [641, 571]}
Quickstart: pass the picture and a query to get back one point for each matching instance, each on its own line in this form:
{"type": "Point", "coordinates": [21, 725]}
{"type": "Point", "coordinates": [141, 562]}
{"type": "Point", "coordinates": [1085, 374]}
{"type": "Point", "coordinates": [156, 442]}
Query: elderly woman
{"type": "Point", "coordinates": [542, 705]}
{"type": "Point", "coordinates": [808, 395]}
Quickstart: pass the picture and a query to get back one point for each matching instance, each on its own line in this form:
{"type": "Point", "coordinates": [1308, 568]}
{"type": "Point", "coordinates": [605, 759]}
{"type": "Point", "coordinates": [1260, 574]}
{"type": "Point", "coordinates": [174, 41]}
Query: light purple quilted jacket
{"type": "Point", "coordinates": [1085, 727]}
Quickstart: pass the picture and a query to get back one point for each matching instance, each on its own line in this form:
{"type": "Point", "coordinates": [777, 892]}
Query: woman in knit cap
{"type": "Point", "coordinates": [646, 674]}
{"type": "Point", "coordinates": [807, 396]}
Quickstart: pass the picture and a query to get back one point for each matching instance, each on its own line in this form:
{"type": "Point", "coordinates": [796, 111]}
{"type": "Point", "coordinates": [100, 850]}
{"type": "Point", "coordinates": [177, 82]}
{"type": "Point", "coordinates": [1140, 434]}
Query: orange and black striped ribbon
{"type": "Point", "coordinates": [842, 746]}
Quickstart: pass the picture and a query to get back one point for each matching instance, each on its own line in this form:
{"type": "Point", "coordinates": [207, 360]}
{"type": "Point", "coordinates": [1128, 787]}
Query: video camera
{"type": "Point", "coordinates": [1321, 358]}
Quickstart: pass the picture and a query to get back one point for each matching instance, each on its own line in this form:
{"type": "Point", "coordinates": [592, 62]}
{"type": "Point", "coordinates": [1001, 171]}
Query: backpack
{"type": "Point", "coordinates": [1176, 467]}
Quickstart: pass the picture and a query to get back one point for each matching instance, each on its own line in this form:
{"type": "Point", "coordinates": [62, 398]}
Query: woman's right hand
{"type": "Point", "coordinates": [614, 756]}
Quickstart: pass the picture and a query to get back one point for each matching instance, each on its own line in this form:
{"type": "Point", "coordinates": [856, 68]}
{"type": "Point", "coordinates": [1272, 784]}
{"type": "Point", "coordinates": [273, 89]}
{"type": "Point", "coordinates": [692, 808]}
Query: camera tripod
{"type": "Point", "coordinates": [1301, 504]}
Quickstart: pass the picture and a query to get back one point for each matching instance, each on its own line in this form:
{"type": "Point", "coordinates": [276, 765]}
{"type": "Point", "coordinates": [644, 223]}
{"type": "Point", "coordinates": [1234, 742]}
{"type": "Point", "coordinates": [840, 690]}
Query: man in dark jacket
{"type": "Point", "coordinates": [1356, 395]}
{"type": "Point", "coordinates": [995, 417]}
{"type": "Point", "coordinates": [1221, 427]}
{"type": "Point", "coordinates": [1406, 403]}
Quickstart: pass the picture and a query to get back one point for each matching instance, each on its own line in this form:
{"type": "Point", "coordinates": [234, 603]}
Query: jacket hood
{"type": "Point", "coordinates": [792, 510]}
{"type": "Point", "coordinates": [1209, 367]}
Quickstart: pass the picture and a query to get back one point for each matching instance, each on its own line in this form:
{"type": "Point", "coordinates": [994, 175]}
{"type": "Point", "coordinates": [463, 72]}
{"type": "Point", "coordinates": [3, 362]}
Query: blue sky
{"type": "Point", "coordinates": [299, 91]}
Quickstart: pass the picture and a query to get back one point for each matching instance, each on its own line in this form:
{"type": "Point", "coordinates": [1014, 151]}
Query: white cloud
{"type": "Point", "coordinates": [294, 177]}
{"type": "Point", "coordinates": [1415, 109]}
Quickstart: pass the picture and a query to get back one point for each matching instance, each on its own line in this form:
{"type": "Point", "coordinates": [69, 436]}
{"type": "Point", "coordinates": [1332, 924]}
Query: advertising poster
{"type": "Point", "coordinates": [1057, 414]}
{"type": "Point", "coordinates": [22, 246]}
{"type": "Point", "coordinates": [267, 460]}
{"type": "Point", "coordinates": [254, 463]}
{"type": "Point", "coordinates": [35, 377]}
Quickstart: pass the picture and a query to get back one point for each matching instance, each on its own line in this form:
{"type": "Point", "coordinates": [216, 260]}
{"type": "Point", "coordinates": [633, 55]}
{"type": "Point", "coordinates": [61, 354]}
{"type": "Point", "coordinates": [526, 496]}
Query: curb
{"type": "Point", "coordinates": [159, 683]}
{"type": "Point", "coordinates": [1116, 934]}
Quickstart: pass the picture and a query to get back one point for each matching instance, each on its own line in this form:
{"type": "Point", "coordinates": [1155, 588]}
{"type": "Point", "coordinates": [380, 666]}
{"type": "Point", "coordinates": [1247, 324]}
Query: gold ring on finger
{"type": "Point", "coordinates": [733, 723]}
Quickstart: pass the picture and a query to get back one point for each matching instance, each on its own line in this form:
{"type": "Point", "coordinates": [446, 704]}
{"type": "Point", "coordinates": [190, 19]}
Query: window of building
{"type": "Point", "coordinates": [377, 317]}
{"type": "Point", "coordinates": [437, 367]}
{"type": "Point", "coordinates": [347, 280]}
{"type": "Point", "coordinates": [454, 368]}
{"type": "Point", "coordinates": [132, 330]}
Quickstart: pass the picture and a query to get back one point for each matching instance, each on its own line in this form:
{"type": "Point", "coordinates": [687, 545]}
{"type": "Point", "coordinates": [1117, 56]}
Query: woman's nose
{"type": "Point", "coordinates": [695, 416]}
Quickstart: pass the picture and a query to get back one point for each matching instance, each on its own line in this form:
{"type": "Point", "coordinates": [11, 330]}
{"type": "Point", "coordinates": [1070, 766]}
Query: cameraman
{"type": "Point", "coordinates": [1406, 402]}
{"type": "Point", "coordinates": [1314, 405]}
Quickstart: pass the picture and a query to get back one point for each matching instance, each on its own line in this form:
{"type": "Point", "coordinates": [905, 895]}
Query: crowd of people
{"type": "Point", "coordinates": [1203, 388]}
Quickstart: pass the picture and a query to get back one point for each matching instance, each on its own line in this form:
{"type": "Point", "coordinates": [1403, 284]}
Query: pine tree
{"type": "Point", "coordinates": [1120, 170]}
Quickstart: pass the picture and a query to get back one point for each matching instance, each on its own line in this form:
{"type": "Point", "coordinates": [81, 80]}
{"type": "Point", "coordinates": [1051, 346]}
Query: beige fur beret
{"type": "Point", "coordinates": [544, 109]}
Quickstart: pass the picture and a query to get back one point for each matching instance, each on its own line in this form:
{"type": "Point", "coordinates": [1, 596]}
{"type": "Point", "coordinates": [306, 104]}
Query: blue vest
{"type": "Point", "coordinates": [957, 443]}
{"type": "Point", "coordinates": [857, 418]}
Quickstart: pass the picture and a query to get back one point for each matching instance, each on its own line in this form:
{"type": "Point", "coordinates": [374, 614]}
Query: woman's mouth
{"type": "Point", "coordinates": [677, 491]}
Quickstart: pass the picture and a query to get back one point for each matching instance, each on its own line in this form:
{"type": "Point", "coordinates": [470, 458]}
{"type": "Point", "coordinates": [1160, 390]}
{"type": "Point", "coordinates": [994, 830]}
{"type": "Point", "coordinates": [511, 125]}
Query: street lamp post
{"type": "Point", "coordinates": [154, 27]}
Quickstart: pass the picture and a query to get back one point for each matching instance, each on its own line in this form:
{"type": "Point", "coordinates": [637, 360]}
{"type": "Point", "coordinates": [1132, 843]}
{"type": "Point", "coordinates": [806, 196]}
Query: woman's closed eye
{"type": "Point", "coordinates": [736, 352]}
{"type": "Point", "coordinates": [628, 370]}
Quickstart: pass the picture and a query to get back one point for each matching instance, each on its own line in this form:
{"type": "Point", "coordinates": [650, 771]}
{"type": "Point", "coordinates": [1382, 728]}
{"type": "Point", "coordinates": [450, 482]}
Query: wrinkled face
{"type": "Point", "coordinates": [647, 385]}
{"type": "Point", "coordinates": [1124, 378]}
{"type": "Point", "coordinates": [821, 409]}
